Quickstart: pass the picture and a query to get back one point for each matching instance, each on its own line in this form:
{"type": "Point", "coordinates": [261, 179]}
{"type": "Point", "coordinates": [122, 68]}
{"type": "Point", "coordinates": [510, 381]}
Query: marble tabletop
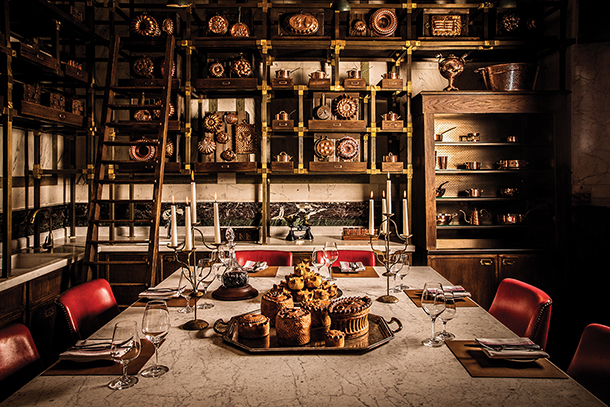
{"type": "Point", "coordinates": [204, 370]}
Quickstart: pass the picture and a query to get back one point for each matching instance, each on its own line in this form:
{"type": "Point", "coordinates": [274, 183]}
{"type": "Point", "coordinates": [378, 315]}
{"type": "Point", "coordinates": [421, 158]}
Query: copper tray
{"type": "Point", "coordinates": [379, 334]}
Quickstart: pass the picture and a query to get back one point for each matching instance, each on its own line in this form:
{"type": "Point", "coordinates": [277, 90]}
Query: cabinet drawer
{"type": "Point", "coordinates": [12, 305]}
{"type": "Point", "coordinates": [44, 288]}
{"type": "Point", "coordinates": [352, 83]}
{"type": "Point", "coordinates": [282, 124]}
{"type": "Point", "coordinates": [44, 112]}
{"type": "Point", "coordinates": [337, 125]}
{"type": "Point", "coordinates": [226, 83]}
{"type": "Point", "coordinates": [225, 167]}
{"type": "Point", "coordinates": [337, 166]}
{"type": "Point", "coordinates": [392, 125]}
{"type": "Point", "coordinates": [282, 83]}
{"type": "Point", "coordinates": [33, 54]}
{"type": "Point", "coordinates": [76, 73]}
{"type": "Point", "coordinates": [394, 84]}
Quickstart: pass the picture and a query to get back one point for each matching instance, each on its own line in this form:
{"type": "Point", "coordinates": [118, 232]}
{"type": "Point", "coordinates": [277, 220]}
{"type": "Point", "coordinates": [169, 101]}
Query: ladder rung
{"type": "Point", "coordinates": [133, 143]}
{"type": "Point", "coordinates": [114, 241]}
{"type": "Point", "coordinates": [113, 262]}
{"type": "Point", "coordinates": [142, 221]}
{"type": "Point", "coordinates": [127, 181]}
{"type": "Point", "coordinates": [127, 201]}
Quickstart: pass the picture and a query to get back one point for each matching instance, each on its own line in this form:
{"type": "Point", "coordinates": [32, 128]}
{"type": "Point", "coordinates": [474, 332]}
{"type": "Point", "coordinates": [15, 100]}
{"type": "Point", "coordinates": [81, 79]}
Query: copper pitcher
{"type": "Point", "coordinates": [475, 216]}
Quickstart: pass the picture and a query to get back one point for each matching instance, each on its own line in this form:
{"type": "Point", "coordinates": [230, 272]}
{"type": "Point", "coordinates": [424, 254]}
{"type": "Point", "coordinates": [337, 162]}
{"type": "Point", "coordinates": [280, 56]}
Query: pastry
{"type": "Point", "coordinates": [295, 283]}
{"type": "Point", "coordinates": [334, 339]}
{"type": "Point", "coordinates": [273, 301]}
{"type": "Point", "coordinates": [253, 326]}
{"type": "Point", "coordinates": [302, 269]}
{"type": "Point", "coordinates": [313, 281]}
{"type": "Point", "coordinates": [293, 326]}
{"type": "Point", "coordinates": [303, 296]}
{"type": "Point", "coordinates": [350, 315]}
{"type": "Point", "coordinates": [319, 312]}
{"type": "Point", "coordinates": [321, 294]}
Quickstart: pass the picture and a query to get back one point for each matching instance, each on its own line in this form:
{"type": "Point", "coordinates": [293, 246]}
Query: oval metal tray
{"type": "Point", "coordinates": [379, 334]}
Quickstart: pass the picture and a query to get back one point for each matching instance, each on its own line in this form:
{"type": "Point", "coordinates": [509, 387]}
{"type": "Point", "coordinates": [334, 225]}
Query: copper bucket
{"type": "Point", "coordinates": [509, 77]}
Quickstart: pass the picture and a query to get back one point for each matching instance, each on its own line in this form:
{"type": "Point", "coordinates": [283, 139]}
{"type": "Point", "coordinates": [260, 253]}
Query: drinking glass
{"type": "Point", "coordinates": [395, 269]}
{"type": "Point", "coordinates": [331, 254]}
{"type": "Point", "coordinates": [433, 303]}
{"type": "Point", "coordinates": [403, 269]}
{"type": "Point", "coordinates": [205, 280]}
{"type": "Point", "coordinates": [124, 348]}
{"type": "Point", "coordinates": [317, 258]}
{"type": "Point", "coordinates": [447, 315]}
{"type": "Point", "coordinates": [185, 293]}
{"type": "Point", "coordinates": [155, 326]}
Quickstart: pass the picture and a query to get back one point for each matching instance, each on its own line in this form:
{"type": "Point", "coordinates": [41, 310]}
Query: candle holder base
{"type": "Point", "coordinates": [195, 325]}
{"type": "Point", "coordinates": [235, 293]}
{"type": "Point", "coordinates": [388, 299]}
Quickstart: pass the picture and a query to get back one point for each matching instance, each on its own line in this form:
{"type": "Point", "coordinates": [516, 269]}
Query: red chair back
{"type": "Point", "coordinates": [367, 257]}
{"type": "Point", "coordinates": [591, 363]}
{"type": "Point", "coordinates": [272, 257]}
{"type": "Point", "coordinates": [88, 307]}
{"type": "Point", "coordinates": [19, 359]}
{"type": "Point", "coordinates": [523, 308]}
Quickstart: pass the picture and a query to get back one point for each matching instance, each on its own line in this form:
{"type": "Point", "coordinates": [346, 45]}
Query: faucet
{"type": "Point", "coordinates": [48, 243]}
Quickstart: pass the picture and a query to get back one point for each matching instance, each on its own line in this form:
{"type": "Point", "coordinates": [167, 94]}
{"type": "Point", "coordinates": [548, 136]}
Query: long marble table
{"type": "Point", "coordinates": [204, 370]}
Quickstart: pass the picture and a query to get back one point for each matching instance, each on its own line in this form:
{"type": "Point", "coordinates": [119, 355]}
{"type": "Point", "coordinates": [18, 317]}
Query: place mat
{"type": "Point", "coordinates": [270, 271]}
{"type": "Point", "coordinates": [367, 272]}
{"type": "Point", "coordinates": [101, 367]}
{"type": "Point", "coordinates": [478, 365]}
{"type": "Point", "coordinates": [172, 302]}
{"type": "Point", "coordinates": [415, 296]}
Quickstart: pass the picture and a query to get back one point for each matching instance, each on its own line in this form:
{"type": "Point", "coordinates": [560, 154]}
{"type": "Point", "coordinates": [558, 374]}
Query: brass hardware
{"type": "Point", "coordinates": [487, 262]}
{"type": "Point", "coordinates": [37, 171]}
{"type": "Point", "coordinates": [507, 262]}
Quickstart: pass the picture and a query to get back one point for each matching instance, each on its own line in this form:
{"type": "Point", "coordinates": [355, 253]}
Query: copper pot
{"type": "Point", "coordinates": [390, 158]}
{"type": "Point", "coordinates": [509, 192]}
{"type": "Point", "coordinates": [512, 164]}
{"type": "Point", "coordinates": [473, 165]}
{"type": "Point", "coordinates": [354, 74]}
{"type": "Point", "coordinates": [390, 75]}
{"type": "Point", "coordinates": [318, 75]}
{"type": "Point", "coordinates": [474, 192]}
{"type": "Point", "coordinates": [283, 157]}
{"type": "Point", "coordinates": [512, 139]}
{"type": "Point", "coordinates": [391, 116]}
{"type": "Point", "coordinates": [282, 73]}
{"type": "Point", "coordinates": [282, 116]}
{"type": "Point", "coordinates": [444, 218]}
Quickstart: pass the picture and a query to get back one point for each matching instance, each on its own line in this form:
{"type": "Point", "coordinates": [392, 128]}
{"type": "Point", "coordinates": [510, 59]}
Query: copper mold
{"type": "Point", "coordinates": [142, 116]}
{"type": "Point", "coordinates": [301, 24]}
{"type": "Point", "coordinates": [212, 122]}
{"type": "Point", "coordinates": [228, 155]}
{"type": "Point", "coordinates": [245, 139]}
{"type": "Point", "coordinates": [145, 25]}
{"type": "Point", "coordinates": [222, 137]}
{"type": "Point", "coordinates": [142, 152]}
{"type": "Point", "coordinates": [241, 67]}
{"type": "Point", "coordinates": [240, 30]}
{"type": "Point", "coordinates": [345, 107]}
{"type": "Point", "coordinates": [206, 145]}
{"type": "Point", "coordinates": [347, 148]}
{"type": "Point", "coordinates": [449, 25]}
{"type": "Point", "coordinates": [383, 22]}
{"type": "Point", "coordinates": [144, 67]}
{"type": "Point", "coordinates": [218, 25]}
{"type": "Point", "coordinates": [324, 148]}
{"type": "Point", "coordinates": [217, 70]}
{"type": "Point", "coordinates": [168, 26]}
{"type": "Point", "coordinates": [230, 118]}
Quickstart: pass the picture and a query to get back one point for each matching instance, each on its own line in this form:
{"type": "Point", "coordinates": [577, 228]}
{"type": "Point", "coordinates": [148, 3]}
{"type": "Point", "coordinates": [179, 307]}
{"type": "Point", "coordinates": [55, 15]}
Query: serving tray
{"type": "Point", "coordinates": [379, 334]}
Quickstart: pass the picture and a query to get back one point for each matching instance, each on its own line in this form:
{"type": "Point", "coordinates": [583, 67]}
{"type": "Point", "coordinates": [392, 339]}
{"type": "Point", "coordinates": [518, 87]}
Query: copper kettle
{"type": "Point", "coordinates": [475, 216]}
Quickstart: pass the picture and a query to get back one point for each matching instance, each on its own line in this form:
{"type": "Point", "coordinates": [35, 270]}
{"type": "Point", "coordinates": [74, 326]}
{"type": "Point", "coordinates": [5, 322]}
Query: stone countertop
{"type": "Point", "coordinates": [204, 370]}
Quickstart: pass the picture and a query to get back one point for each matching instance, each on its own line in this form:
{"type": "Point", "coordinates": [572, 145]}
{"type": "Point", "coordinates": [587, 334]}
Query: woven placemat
{"type": "Point", "coordinates": [101, 367]}
{"type": "Point", "coordinates": [478, 364]}
{"type": "Point", "coordinates": [415, 296]}
{"type": "Point", "coordinates": [368, 272]}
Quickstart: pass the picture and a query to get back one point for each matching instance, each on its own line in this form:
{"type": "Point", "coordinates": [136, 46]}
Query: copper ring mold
{"type": "Point", "coordinates": [142, 152]}
{"type": "Point", "coordinates": [218, 25]}
{"type": "Point", "coordinates": [345, 107]}
{"type": "Point", "coordinates": [145, 25]}
{"type": "Point", "coordinates": [144, 67]}
{"type": "Point", "coordinates": [212, 122]}
{"type": "Point", "coordinates": [384, 22]}
{"type": "Point", "coordinates": [217, 70]}
{"type": "Point", "coordinates": [347, 148]}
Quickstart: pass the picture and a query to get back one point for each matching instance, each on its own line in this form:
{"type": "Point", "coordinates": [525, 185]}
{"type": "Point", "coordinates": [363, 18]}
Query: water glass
{"type": "Point", "coordinates": [447, 315]}
{"type": "Point", "coordinates": [433, 304]}
{"type": "Point", "coordinates": [331, 254]}
{"type": "Point", "coordinates": [124, 348]}
{"type": "Point", "coordinates": [155, 326]}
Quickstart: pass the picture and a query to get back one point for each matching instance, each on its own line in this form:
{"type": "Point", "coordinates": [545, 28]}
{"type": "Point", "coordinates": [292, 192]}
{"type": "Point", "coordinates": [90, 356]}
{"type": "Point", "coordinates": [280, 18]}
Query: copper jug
{"type": "Point", "coordinates": [475, 216]}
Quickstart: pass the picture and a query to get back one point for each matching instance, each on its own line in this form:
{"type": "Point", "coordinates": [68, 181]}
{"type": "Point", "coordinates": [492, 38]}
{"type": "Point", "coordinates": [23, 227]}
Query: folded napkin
{"type": "Point", "coordinates": [159, 293]}
{"type": "Point", "coordinates": [457, 290]}
{"type": "Point", "coordinates": [88, 350]}
{"type": "Point", "coordinates": [513, 348]}
{"type": "Point", "coordinates": [351, 267]}
{"type": "Point", "coordinates": [254, 266]}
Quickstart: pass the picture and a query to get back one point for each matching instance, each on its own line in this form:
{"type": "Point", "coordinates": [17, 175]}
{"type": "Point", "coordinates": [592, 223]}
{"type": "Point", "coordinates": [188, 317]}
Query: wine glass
{"type": "Point", "coordinates": [124, 348]}
{"type": "Point", "coordinates": [205, 280]}
{"type": "Point", "coordinates": [331, 254]}
{"type": "Point", "coordinates": [447, 315]}
{"type": "Point", "coordinates": [317, 258]}
{"type": "Point", "coordinates": [433, 303]}
{"type": "Point", "coordinates": [404, 267]}
{"type": "Point", "coordinates": [184, 293]}
{"type": "Point", "coordinates": [155, 326]}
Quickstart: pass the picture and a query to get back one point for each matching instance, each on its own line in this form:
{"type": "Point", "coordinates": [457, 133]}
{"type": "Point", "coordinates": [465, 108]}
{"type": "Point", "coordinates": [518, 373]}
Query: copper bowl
{"type": "Point", "coordinates": [318, 75]}
{"type": "Point", "coordinates": [509, 77]}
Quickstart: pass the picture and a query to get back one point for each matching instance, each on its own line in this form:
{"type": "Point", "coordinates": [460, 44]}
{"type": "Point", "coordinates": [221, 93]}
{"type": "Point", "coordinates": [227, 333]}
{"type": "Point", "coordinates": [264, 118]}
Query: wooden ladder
{"type": "Point", "coordinates": [110, 172]}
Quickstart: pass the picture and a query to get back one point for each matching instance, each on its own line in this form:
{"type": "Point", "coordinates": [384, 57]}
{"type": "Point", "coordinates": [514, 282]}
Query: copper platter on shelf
{"type": "Point", "coordinates": [379, 334]}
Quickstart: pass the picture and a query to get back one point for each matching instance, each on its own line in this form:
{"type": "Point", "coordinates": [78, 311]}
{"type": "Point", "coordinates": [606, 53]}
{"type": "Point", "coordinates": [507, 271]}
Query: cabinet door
{"type": "Point", "coordinates": [536, 269]}
{"type": "Point", "coordinates": [477, 273]}
{"type": "Point", "coordinates": [41, 322]}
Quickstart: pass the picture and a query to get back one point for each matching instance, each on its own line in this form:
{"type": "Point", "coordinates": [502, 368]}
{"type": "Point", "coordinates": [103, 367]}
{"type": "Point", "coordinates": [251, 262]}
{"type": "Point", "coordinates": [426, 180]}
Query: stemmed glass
{"type": "Point", "coordinates": [331, 254]}
{"type": "Point", "coordinates": [447, 315]}
{"type": "Point", "coordinates": [185, 293]}
{"type": "Point", "coordinates": [203, 264]}
{"type": "Point", "coordinates": [402, 270]}
{"type": "Point", "coordinates": [155, 326]}
{"type": "Point", "coordinates": [433, 303]}
{"type": "Point", "coordinates": [124, 348]}
{"type": "Point", "coordinates": [317, 258]}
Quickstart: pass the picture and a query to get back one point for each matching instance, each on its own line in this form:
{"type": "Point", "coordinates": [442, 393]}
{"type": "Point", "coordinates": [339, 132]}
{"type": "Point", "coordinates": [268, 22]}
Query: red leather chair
{"type": "Point", "coordinates": [272, 257]}
{"type": "Point", "coordinates": [367, 257]}
{"type": "Point", "coordinates": [523, 308]}
{"type": "Point", "coordinates": [19, 359]}
{"type": "Point", "coordinates": [591, 363]}
{"type": "Point", "coordinates": [87, 307]}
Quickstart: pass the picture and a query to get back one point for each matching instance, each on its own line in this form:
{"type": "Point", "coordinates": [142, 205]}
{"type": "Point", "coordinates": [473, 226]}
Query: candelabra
{"type": "Point", "coordinates": [194, 276]}
{"type": "Point", "coordinates": [385, 255]}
